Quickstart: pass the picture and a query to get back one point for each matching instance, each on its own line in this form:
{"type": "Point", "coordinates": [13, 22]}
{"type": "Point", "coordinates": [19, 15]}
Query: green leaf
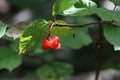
{"type": "Point", "coordinates": [116, 2]}
{"type": "Point", "coordinates": [112, 36]}
{"type": "Point", "coordinates": [104, 14]}
{"type": "Point", "coordinates": [9, 59]}
{"type": "Point", "coordinates": [64, 6]}
{"type": "Point", "coordinates": [61, 5]}
{"type": "Point", "coordinates": [108, 15]}
{"type": "Point", "coordinates": [81, 39]}
{"type": "Point", "coordinates": [87, 7]}
{"type": "Point", "coordinates": [33, 36]}
{"type": "Point", "coordinates": [73, 11]}
{"type": "Point", "coordinates": [54, 71]}
{"type": "Point", "coordinates": [2, 29]}
{"type": "Point", "coordinates": [85, 4]}
{"type": "Point", "coordinates": [62, 31]}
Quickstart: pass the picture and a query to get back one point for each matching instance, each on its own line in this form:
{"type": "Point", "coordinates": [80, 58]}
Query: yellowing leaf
{"type": "Point", "coordinates": [24, 44]}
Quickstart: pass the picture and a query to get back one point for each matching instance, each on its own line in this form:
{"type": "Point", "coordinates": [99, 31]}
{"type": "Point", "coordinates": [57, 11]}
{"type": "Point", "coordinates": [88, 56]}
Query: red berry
{"type": "Point", "coordinates": [58, 47]}
{"type": "Point", "coordinates": [54, 44]}
{"type": "Point", "coordinates": [46, 44]}
{"type": "Point", "coordinates": [56, 39]}
{"type": "Point", "coordinates": [51, 42]}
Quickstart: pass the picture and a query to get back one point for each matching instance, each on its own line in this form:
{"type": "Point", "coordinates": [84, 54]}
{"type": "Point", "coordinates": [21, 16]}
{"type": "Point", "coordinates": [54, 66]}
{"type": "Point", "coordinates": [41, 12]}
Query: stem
{"type": "Point", "coordinates": [101, 40]}
{"type": "Point", "coordinates": [84, 25]}
{"type": "Point", "coordinates": [50, 29]}
{"type": "Point", "coordinates": [100, 54]}
{"type": "Point", "coordinates": [99, 62]}
{"type": "Point", "coordinates": [51, 26]}
{"type": "Point", "coordinates": [55, 19]}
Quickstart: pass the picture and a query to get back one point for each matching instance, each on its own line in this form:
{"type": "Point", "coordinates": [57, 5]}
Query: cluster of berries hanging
{"type": "Point", "coordinates": [51, 42]}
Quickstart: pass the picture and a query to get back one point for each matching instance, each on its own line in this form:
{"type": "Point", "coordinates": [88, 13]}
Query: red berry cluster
{"type": "Point", "coordinates": [51, 42]}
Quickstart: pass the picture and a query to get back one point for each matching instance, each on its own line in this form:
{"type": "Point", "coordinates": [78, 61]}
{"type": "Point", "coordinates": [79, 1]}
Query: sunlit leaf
{"type": "Point", "coordinates": [85, 4]}
{"type": "Point", "coordinates": [25, 44]}
{"type": "Point", "coordinates": [61, 5]}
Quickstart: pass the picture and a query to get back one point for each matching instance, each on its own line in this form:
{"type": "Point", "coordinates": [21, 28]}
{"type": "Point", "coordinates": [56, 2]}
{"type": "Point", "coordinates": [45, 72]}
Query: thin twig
{"type": "Point", "coordinates": [50, 29]}
{"type": "Point", "coordinates": [73, 25]}
{"type": "Point", "coordinates": [84, 25]}
{"type": "Point", "coordinates": [100, 54]}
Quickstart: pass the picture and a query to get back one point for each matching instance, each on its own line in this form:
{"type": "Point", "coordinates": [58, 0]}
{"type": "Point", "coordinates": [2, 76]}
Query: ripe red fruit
{"type": "Point", "coordinates": [56, 39]}
{"type": "Point", "coordinates": [45, 44]}
{"type": "Point", "coordinates": [58, 47]}
{"type": "Point", "coordinates": [51, 42]}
